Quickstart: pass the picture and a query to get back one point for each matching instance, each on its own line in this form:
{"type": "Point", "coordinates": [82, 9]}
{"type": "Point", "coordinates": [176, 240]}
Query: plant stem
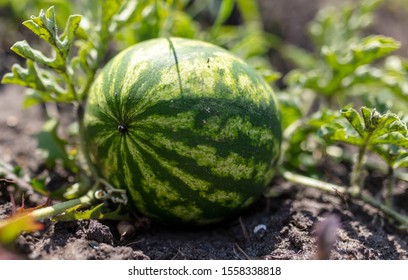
{"type": "Point", "coordinates": [357, 176]}
{"type": "Point", "coordinates": [390, 187]}
{"type": "Point", "coordinates": [59, 208]}
{"type": "Point", "coordinates": [310, 182]}
{"type": "Point", "coordinates": [400, 175]}
{"type": "Point", "coordinates": [332, 188]}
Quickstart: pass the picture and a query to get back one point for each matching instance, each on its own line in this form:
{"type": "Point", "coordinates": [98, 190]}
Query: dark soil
{"type": "Point", "coordinates": [282, 227]}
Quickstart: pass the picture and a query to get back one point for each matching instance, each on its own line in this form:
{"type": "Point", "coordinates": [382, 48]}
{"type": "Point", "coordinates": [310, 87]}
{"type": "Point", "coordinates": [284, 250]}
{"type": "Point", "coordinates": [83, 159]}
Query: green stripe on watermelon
{"type": "Point", "coordinates": [193, 141]}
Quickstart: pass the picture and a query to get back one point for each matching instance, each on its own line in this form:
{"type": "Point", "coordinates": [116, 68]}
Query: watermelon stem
{"type": "Point", "coordinates": [59, 208]}
{"type": "Point", "coordinates": [347, 192]}
{"type": "Point", "coordinates": [94, 194]}
{"type": "Point", "coordinates": [110, 192]}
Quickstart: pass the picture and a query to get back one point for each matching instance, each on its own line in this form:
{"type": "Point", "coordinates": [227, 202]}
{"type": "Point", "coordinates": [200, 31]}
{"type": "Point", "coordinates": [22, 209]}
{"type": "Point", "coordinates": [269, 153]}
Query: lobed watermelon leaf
{"type": "Point", "coordinates": [45, 27]}
{"type": "Point", "coordinates": [385, 134]}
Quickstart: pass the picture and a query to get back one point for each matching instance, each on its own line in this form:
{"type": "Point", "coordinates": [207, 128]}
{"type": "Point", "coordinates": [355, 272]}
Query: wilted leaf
{"type": "Point", "coordinates": [13, 226]}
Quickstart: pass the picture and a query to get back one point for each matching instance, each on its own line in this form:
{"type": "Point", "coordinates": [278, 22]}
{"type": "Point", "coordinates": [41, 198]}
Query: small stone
{"type": "Point", "coordinates": [12, 121]}
{"type": "Point", "coordinates": [259, 228]}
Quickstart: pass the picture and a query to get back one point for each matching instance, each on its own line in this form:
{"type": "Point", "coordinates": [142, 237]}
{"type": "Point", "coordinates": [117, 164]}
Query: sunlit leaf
{"type": "Point", "coordinates": [394, 138]}
{"type": "Point", "coordinates": [386, 134]}
{"type": "Point", "coordinates": [355, 120]}
{"type": "Point", "coordinates": [372, 48]}
{"type": "Point", "coordinates": [341, 134]}
{"type": "Point", "coordinates": [24, 77]}
{"type": "Point", "coordinates": [45, 26]}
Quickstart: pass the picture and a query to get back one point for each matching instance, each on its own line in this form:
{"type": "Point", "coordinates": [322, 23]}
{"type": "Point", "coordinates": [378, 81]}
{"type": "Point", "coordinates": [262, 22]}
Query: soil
{"type": "Point", "coordinates": [288, 226]}
{"type": "Point", "coordinates": [293, 225]}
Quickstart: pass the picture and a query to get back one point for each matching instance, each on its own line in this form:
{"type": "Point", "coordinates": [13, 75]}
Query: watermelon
{"type": "Point", "coordinates": [188, 129]}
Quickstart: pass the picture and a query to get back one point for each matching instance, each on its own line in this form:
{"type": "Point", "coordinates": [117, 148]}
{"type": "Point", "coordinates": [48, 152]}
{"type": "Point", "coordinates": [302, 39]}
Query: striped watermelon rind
{"type": "Point", "coordinates": [188, 129]}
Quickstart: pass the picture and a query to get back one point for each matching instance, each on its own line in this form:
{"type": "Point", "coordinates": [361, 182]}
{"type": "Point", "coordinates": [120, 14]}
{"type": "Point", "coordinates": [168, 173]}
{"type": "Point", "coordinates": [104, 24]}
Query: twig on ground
{"type": "Point", "coordinates": [243, 228]}
{"type": "Point", "coordinates": [241, 251]}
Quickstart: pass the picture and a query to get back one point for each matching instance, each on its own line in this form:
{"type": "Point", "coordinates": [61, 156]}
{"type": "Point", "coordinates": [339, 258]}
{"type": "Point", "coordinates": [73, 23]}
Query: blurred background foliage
{"type": "Point", "coordinates": [234, 24]}
{"type": "Point", "coordinates": [287, 34]}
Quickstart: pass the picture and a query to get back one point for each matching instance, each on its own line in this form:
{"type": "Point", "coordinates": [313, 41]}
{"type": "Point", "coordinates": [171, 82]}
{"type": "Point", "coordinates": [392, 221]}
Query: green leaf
{"type": "Point", "coordinates": [340, 24]}
{"type": "Point", "coordinates": [249, 10]}
{"type": "Point", "coordinates": [394, 138]}
{"type": "Point", "coordinates": [53, 147]}
{"type": "Point", "coordinates": [109, 9]}
{"type": "Point", "coordinates": [337, 33]}
{"type": "Point", "coordinates": [40, 187]}
{"type": "Point", "coordinates": [96, 212]}
{"type": "Point", "coordinates": [24, 77]}
{"type": "Point", "coordinates": [45, 27]}
{"type": "Point", "coordinates": [50, 83]}
{"type": "Point", "coordinates": [341, 134]}
{"type": "Point", "coordinates": [368, 117]}
{"type": "Point", "coordinates": [67, 37]}
{"type": "Point", "coordinates": [402, 160]}
{"type": "Point", "coordinates": [290, 108]}
{"type": "Point", "coordinates": [225, 11]}
{"type": "Point", "coordinates": [300, 57]}
{"type": "Point", "coordinates": [355, 120]}
{"type": "Point", "coordinates": [45, 84]}
{"type": "Point", "coordinates": [372, 48]}
{"type": "Point", "coordinates": [385, 134]}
